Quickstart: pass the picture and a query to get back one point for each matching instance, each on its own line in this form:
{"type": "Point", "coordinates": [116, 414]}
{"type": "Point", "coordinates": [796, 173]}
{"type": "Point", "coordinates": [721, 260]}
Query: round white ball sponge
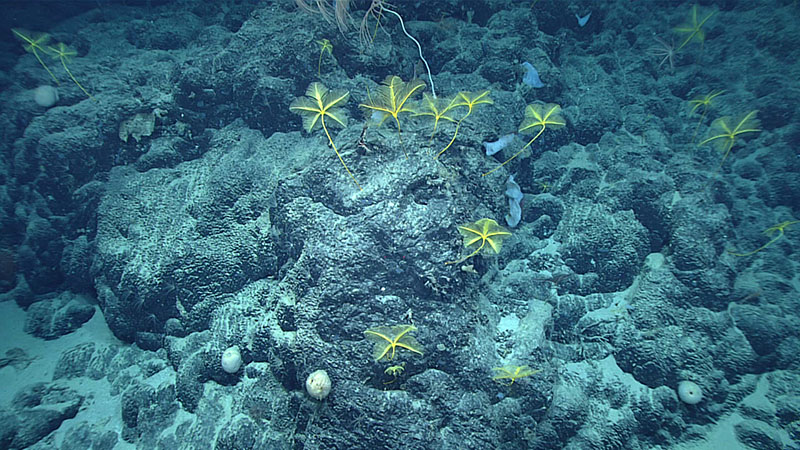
{"type": "Point", "coordinates": [689, 392]}
{"type": "Point", "coordinates": [45, 95]}
{"type": "Point", "coordinates": [231, 359]}
{"type": "Point", "coordinates": [318, 384]}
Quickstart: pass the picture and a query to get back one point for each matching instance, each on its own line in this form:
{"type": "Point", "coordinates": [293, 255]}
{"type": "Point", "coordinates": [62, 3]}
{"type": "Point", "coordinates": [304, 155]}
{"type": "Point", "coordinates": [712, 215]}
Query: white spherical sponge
{"type": "Point", "coordinates": [689, 392]}
{"type": "Point", "coordinates": [318, 384]}
{"type": "Point", "coordinates": [45, 96]}
{"type": "Point", "coordinates": [231, 359]}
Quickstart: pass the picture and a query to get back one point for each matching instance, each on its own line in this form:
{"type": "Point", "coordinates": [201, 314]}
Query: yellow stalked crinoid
{"type": "Point", "coordinates": [470, 100]}
{"type": "Point", "coordinates": [769, 232]}
{"type": "Point", "coordinates": [388, 338]}
{"type": "Point", "coordinates": [35, 44]}
{"type": "Point", "coordinates": [318, 105]}
{"type": "Point", "coordinates": [63, 53]}
{"type": "Point", "coordinates": [724, 133]}
{"type": "Point", "coordinates": [392, 99]}
{"type": "Point", "coordinates": [512, 373]}
{"type": "Point", "coordinates": [538, 117]}
{"type": "Point", "coordinates": [478, 234]}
